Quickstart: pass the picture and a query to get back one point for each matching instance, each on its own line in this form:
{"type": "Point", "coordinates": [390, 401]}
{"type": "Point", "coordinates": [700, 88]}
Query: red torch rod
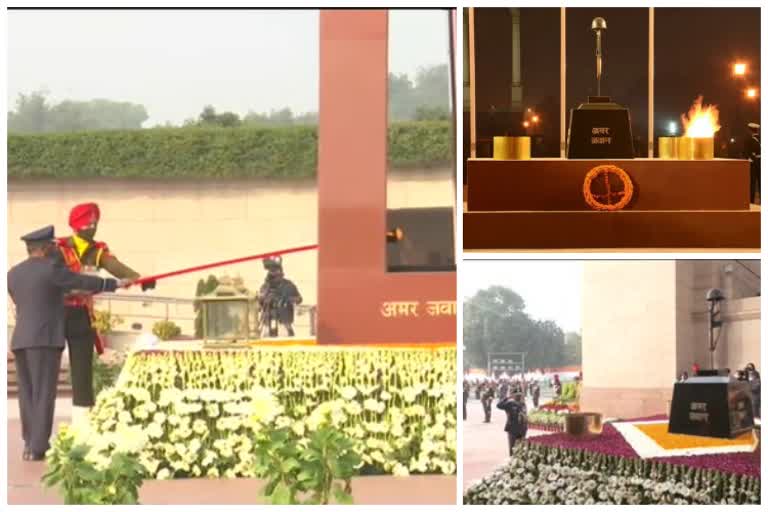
{"type": "Point", "coordinates": [189, 270]}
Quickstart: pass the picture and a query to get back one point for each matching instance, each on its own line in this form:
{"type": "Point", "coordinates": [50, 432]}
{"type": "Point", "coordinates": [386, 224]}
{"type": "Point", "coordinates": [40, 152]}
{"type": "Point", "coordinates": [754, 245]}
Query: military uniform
{"type": "Point", "coordinates": [487, 400]}
{"type": "Point", "coordinates": [85, 256]}
{"type": "Point", "coordinates": [753, 153]}
{"type": "Point", "coordinates": [277, 297]}
{"type": "Point", "coordinates": [465, 398]}
{"type": "Point", "coordinates": [37, 287]}
{"type": "Point", "coordinates": [516, 426]}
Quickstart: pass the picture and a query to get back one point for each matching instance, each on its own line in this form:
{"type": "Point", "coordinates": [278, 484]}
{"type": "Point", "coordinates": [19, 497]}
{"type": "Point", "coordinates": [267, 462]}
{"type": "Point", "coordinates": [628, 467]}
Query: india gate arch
{"type": "Point", "coordinates": [353, 282]}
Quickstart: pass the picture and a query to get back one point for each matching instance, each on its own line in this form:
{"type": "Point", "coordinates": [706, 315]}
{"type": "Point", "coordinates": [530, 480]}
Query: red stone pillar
{"type": "Point", "coordinates": [353, 282]}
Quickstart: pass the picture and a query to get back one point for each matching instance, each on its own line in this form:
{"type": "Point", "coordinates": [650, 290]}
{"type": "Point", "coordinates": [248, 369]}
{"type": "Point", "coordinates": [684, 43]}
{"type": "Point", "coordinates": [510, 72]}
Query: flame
{"type": "Point", "coordinates": [701, 120]}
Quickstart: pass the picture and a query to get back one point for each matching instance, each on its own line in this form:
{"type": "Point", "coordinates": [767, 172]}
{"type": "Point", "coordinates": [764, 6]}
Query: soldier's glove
{"type": "Point", "coordinates": [148, 285]}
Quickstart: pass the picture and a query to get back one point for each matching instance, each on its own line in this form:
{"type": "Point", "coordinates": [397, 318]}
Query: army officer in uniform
{"type": "Point", "coordinates": [84, 254]}
{"type": "Point", "coordinates": [37, 287]}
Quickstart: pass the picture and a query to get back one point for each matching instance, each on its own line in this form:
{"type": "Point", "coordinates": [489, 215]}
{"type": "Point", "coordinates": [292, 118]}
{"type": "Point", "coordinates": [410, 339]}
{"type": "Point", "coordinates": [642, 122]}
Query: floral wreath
{"type": "Point", "coordinates": [603, 201]}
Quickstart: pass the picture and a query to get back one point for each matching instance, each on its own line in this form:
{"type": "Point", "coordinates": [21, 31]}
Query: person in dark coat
{"type": "Point", "coordinates": [517, 419]}
{"type": "Point", "coordinates": [558, 386]}
{"type": "Point", "coordinates": [37, 287]}
{"type": "Point", "coordinates": [278, 297]}
{"type": "Point", "coordinates": [535, 394]}
{"type": "Point", "coordinates": [466, 397]}
{"type": "Point", "coordinates": [486, 398]}
{"type": "Point", "coordinates": [753, 376]}
{"type": "Point", "coordinates": [753, 153]}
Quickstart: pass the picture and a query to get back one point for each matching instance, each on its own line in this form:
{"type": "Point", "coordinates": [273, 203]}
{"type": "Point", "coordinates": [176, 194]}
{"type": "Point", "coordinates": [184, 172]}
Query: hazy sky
{"type": "Point", "coordinates": [551, 289]}
{"type": "Point", "coordinates": [176, 62]}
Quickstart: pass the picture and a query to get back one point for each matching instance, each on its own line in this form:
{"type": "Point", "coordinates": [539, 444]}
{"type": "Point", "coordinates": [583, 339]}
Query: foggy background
{"type": "Point", "coordinates": [164, 67]}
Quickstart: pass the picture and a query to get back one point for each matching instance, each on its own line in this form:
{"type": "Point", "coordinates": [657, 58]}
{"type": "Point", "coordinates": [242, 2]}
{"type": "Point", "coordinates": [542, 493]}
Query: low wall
{"type": "Point", "coordinates": [162, 225]}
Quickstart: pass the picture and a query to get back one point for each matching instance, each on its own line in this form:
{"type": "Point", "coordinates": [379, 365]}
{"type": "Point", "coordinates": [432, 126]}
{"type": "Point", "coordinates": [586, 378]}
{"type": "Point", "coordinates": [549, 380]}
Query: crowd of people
{"type": "Point", "coordinates": [511, 392]}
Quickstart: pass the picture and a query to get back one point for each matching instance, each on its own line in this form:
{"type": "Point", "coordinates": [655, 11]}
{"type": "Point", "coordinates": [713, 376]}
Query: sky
{"type": "Point", "coordinates": [551, 289]}
{"type": "Point", "coordinates": [176, 62]}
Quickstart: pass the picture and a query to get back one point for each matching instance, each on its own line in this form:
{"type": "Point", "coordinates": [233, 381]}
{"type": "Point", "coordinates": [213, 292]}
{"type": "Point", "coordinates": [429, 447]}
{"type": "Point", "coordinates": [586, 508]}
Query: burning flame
{"type": "Point", "coordinates": [701, 120]}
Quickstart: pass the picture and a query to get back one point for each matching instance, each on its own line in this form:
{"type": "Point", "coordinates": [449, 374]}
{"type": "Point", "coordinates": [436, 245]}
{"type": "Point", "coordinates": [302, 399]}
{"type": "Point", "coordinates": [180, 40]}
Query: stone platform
{"type": "Point", "coordinates": [553, 184]}
{"type": "Point", "coordinates": [538, 204]}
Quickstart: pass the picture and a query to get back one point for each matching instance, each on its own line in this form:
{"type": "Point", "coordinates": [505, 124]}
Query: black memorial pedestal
{"type": "Point", "coordinates": [600, 129]}
{"type": "Point", "coordinates": [716, 406]}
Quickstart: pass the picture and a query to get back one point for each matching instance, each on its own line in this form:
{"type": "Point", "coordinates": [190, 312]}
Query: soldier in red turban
{"type": "Point", "coordinates": [84, 254]}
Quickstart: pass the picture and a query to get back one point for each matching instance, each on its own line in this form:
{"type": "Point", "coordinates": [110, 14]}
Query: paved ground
{"type": "Point", "coordinates": [485, 444]}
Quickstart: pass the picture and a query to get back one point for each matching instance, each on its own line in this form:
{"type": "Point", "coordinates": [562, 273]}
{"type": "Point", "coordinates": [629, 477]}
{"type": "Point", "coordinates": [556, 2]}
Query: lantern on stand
{"type": "Point", "coordinates": [229, 316]}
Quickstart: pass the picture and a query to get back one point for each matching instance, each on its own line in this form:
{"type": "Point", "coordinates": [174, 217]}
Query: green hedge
{"type": "Point", "coordinates": [247, 152]}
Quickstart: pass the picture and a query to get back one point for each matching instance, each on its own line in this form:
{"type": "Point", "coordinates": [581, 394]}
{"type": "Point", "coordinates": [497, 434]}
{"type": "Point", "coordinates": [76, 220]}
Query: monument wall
{"type": "Point", "coordinates": [645, 322]}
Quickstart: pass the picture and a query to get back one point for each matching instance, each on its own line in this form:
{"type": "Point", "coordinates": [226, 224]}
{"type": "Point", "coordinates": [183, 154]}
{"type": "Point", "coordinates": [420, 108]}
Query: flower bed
{"type": "Point", "coordinates": [612, 443]}
{"type": "Point", "coordinates": [542, 473]}
{"type": "Point", "coordinates": [559, 407]}
{"type": "Point", "coordinates": [546, 420]}
{"type": "Point", "coordinates": [397, 405]}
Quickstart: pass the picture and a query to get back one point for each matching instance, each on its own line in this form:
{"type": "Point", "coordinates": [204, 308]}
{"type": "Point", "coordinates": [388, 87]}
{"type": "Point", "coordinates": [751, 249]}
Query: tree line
{"type": "Point", "coordinates": [495, 320]}
{"type": "Point", "coordinates": [34, 113]}
{"type": "Point", "coordinates": [425, 97]}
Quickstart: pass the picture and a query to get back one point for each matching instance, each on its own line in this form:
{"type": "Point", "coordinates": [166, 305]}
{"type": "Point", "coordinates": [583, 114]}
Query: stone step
{"type": "Point", "coordinates": [64, 387]}
{"type": "Point", "coordinates": [627, 229]}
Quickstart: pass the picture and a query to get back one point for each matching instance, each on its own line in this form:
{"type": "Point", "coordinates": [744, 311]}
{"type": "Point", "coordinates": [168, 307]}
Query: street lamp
{"type": "Point", "coordinates": [739, 69]}
{"type": "Point", "coordinates": [535, 119]}
{"type": "Point", "coordinates": [526, 124]}
{"type": "Point", "coordinates": [751, 93]}
{"type": "Point", "coordinates": [672, 128]}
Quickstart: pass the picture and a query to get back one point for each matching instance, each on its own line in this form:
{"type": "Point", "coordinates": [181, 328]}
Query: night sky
{"type": "Point", "coordinates": [695, 48]}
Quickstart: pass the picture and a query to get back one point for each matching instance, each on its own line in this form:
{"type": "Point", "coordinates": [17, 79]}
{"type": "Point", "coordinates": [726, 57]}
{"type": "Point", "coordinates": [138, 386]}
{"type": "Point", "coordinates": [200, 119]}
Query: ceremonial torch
{"type": "Point", "coordinates": [598, 25]}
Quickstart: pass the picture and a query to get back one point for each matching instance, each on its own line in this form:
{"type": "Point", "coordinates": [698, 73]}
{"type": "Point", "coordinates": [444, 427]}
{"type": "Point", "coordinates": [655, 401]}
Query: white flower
{"type": "Point", "coordinates": [348, 393]}
{"type": "Point", "coordinates": [283, 422]}
{"type": "Point", "coordinates": [130, 439]}
{"type": "Point", "coordinates": [338, 418]}
{"type": "Point", "coordinates": [298, 428]}
{"type": "Point", "coordinates": [180, 448]}
{"type": "Point", "coordinates": [353, 408]}
{"type": "Point", "coordinates": [399, 470]}
{"type": "Point", "coordinates": [263, 406]}
{"type": "Point", "coordinates": [409, 394]}
{"type": "Point", "coordinates": [200, 427]}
